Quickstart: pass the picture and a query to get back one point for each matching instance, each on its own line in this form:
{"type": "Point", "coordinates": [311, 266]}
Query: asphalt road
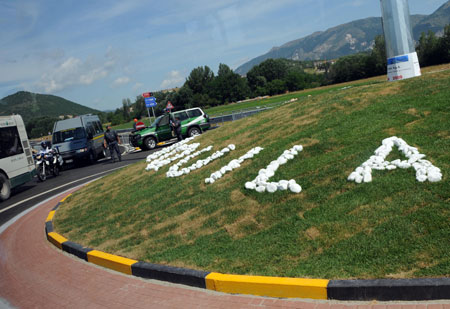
{"type": "Point", "coordinates": [34, 192]}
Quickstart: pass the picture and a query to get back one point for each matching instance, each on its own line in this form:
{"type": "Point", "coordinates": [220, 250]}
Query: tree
{"type": "Point", "coordinates": [228, 86]}
{"type": "Point", "coordinates": [349, 68]}
{"type": "Point", "coordinates": [270, 69]}
{"type": "Point", "coordinates": [295, 81]}
{"type": "Point", "coordinates": [126, 105]}
{"type": "Point", "coordinates": [276, 86]}
{"type": "Point", "coordinates": [428, 49]}
{"type": "Point", "coordinates": [139, 107]}
{"type": "Point", "coordinates": [378, 57]}
{"type": "Point", "coordinates": [200, 79]}
{"type": "Point", "coordinates": [444, 46]}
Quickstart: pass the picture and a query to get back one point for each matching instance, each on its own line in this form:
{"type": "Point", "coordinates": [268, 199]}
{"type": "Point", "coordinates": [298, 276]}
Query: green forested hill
{"type": "Point", "coordinates": [33, 105]}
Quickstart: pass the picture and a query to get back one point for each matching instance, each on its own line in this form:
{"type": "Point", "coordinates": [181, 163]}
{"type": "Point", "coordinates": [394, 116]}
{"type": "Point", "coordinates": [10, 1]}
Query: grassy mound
{"type": "Point", "coordinates": [393, 227]}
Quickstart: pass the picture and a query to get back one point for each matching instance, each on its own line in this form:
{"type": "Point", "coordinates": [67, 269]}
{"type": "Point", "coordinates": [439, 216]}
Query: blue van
{"type": "Point", "coordinates": [79, 139]}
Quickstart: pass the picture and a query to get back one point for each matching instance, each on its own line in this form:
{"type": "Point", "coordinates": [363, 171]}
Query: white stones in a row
{"type": "Point", "coordinates": [261, 182]}
{"type": "Point", "coordinates": [233, 164]}
{"type": "Point", "coordinates": [169, 154]}
{"type": "Point", "coordinates": [425, 170]}
{"type": "Point", "coordinates": [174, 169]}
{"type": "Point", "coordinates": [201, 163]}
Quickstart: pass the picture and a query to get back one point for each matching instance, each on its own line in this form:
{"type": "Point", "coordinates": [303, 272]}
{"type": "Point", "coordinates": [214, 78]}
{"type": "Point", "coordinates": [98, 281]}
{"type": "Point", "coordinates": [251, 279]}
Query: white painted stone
{"type": "Point", "coordinates": [250, 185]}
{"type": "Point", "coordinates": [425, 170]}
{"type": "Point", "coordinates": [271, 188]}
{"type": "Point", "coordinates": [295, 188]}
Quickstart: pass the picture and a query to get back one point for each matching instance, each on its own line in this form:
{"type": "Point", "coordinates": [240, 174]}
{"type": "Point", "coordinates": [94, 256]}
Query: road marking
{"type": "Point", "coordinates": [69, 183]}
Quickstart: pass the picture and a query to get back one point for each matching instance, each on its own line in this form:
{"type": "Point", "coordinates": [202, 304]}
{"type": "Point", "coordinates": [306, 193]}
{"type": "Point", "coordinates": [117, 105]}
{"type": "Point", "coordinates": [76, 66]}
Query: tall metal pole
{"type": "Point", "coordinates": [402, 60]}
{"type": "Point", "coordinates": [149, 119]}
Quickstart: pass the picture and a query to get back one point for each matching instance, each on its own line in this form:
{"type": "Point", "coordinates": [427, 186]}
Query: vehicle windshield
{"type": "Point", "coordinates": [68, 135]}
{"type": "Point", "coordinates": [156, 122]}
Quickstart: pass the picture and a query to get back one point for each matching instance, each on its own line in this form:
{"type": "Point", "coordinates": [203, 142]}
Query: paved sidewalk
{"type": "Point", "coordinates": [34, 274]}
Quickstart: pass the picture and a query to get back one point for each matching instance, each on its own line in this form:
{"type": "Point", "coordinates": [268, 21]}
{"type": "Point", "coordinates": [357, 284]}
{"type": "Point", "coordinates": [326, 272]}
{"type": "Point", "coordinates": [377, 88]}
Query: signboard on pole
{"type": "Point", "coordinates": [147, 94]}
{"type": "Point", "coordinates": [150, 102]}
{"type": "Point", "coordinates": [169, 105]}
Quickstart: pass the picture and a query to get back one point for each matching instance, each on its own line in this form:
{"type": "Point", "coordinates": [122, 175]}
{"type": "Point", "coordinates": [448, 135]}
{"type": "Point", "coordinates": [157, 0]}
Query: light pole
{"type": "Point", "coordinates": [402, 61]}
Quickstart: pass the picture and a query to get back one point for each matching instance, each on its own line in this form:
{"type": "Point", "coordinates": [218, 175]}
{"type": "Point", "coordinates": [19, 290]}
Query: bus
{"type": "Point", "coordinates": [16, 159]}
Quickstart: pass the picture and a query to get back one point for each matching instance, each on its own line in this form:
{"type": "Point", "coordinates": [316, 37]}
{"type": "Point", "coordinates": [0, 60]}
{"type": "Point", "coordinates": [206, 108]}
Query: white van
{"type": "Point", "coordinates": [16, 159]}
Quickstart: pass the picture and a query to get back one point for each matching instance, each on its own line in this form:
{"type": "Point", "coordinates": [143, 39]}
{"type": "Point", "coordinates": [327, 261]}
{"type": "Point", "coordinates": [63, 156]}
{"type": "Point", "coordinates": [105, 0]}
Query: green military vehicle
{"type": "Point", "coordinates": [193, 121]}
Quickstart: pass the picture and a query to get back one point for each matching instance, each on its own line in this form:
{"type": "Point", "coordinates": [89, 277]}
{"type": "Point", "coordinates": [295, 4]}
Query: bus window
{"type": "Point", "coordinates": [10, 144]}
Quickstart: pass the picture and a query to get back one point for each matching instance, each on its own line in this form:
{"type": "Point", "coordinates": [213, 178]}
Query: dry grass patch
{"type": "Point", "coordinates": [312, 233]}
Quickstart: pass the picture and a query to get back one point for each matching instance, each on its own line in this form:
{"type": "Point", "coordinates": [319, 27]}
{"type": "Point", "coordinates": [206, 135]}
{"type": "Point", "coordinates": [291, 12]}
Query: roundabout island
{"type": "Point", "coordinates": [384, 237]}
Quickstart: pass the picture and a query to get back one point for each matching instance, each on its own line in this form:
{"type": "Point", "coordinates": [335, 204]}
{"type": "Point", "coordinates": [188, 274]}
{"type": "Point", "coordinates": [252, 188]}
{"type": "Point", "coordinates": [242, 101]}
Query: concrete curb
{"type": "Point", "coordinates": [378, 289]}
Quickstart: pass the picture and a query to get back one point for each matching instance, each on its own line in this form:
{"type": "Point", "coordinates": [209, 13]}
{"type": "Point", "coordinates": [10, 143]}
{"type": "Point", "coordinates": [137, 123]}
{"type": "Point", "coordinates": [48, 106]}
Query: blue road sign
{"type": "Point", "coordinates": [150, 102]}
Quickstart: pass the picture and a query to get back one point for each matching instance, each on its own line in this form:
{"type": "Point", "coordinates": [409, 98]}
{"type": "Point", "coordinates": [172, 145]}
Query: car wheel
{"type": "Point", "coordinates": [194, 131]}
{"type": "Point", "coordinates": [41, 174]}
{"type": "Point", "coordinates": [150, 143]}
{"type": "Point", "coordinates": [5, 188]}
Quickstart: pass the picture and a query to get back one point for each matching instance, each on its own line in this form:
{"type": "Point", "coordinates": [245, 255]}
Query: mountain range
{"type": "Point", "coordinates": [32, 105]}
{"type": "Point", "coordinates": [350, 38]}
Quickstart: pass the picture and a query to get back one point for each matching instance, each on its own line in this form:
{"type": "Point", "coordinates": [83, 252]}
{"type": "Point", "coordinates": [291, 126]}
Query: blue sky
{"type": "Point", "coordinates": [97, 53]}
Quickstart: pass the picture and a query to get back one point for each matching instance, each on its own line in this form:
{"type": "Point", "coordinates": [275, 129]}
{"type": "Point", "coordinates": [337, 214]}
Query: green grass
{"type": "Point", "coordinates": [280, 99]}
{"type": "Point", "coordinates": [394, 227]}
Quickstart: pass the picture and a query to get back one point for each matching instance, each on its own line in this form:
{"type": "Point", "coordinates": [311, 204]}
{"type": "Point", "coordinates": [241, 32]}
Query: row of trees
{"type": "Point", "coordinates": [203, 88]}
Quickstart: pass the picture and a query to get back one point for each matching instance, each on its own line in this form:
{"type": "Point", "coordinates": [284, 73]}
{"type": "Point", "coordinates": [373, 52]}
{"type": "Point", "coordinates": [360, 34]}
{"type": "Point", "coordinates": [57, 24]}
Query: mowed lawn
{"type": "Point", "coordinates": [393, 227]}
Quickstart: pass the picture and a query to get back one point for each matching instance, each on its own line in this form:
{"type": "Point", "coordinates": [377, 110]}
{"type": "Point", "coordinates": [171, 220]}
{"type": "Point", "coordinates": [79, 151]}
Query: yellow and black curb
{"type": "Point", "coordinates": [382, 289]}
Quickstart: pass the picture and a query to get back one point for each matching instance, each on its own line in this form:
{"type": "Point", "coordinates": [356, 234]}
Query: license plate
{"type": "Point", "coordinates": [69, 161]}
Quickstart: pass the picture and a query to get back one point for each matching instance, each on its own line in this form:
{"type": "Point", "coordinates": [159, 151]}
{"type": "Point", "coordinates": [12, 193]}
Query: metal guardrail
{"type": "Point", "coordinates": [243, 113]}
{"type": "Point", "coordinates": [236, 115]}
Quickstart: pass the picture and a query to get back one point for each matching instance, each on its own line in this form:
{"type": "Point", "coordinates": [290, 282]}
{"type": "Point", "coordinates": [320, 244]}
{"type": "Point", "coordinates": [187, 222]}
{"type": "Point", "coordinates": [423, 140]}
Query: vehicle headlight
{"type": "Point", "coordinates": [81, 150]}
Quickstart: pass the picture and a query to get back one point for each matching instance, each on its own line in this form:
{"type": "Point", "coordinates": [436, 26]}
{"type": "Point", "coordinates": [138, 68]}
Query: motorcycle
{"type": "Point", "coordinates": [48, 162]}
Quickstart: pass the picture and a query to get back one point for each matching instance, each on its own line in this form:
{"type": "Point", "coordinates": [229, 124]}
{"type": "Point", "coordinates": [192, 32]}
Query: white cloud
{"type": "Point", "coordinates": [173, 79]}
{"type": "Point", "coordinates": [121, 81]}
{"type": "Point", "coordinates": [73, 71]}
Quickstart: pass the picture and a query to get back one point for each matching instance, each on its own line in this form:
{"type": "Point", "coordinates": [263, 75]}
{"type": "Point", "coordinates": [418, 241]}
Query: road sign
{"type": "Point", "coordinates": [147, 94]}
{"type": "Point", "coordinates": [169, 105]}
{"type": "Point", "coordinates": [150, 102]}
{"type": "Point", "coordinates": [140, 125]}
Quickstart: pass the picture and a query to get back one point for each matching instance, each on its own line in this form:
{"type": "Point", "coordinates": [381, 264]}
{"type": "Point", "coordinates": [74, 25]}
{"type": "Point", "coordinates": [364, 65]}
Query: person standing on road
{"type": "Point", "coordinates": [134, 124]}
{"type": "Point", "coordinates": [176, 124]}
{"type": "Point", "coordinates": [112, 140]}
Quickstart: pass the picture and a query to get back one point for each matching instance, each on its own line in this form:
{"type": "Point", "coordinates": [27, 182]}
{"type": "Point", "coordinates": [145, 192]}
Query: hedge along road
{"type": "Point", "coordinates": [34, 192]}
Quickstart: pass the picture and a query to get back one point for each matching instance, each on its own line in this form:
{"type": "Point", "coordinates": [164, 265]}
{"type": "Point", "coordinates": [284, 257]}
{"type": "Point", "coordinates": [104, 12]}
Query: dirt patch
{"type": "Point", "coordinates": [252, 208]}
{"type": "Point", "coordinates": [391, 131]}
{"type": "Point", "coordinates": [402, 275]}
{"type": "Point", "coordinates": [412, 111]}
{"type": "Point", "coordinates": [413, 123]}
{"type": "Point", "coordinates": [312, 233]}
